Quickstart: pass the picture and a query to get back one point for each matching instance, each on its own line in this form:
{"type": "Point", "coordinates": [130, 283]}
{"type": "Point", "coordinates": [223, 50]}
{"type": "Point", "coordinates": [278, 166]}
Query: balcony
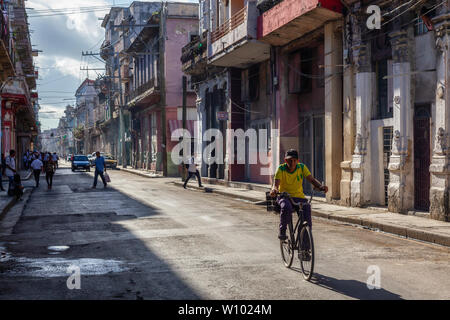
{"type": "Point", "coordinates": [6, 65]}
{"type": "Point", "coordinates": [125, 73]}
{"type": "Point", "coordinates": [234, 44]}
{"type": "Point", "coordinates": [194, 56]}
{"type": "Point", "coordinates": [145, 95]}
{"type": "Point", "coordinates": [292, 19]}
{"type": "Point", "coordinates": [105, 50]}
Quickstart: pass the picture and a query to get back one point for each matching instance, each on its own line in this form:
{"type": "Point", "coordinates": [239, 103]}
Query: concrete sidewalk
{"type": "Point", "coordinates": [6, 202]}
{"type": "Point", "coordinates": [142, 173]}
{"type": "Point", "coordinates": [377, 219]}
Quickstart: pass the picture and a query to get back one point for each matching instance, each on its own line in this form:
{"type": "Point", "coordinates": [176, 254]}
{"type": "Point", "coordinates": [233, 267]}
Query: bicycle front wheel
{"type": "Point", "coordinates": [306, 251]}
{"type": "Point", "coordinates": [287, 251]}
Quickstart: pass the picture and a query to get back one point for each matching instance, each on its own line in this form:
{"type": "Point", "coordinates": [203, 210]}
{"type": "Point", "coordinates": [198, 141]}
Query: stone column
{"type": "Point", "coordinates": [333, 108]}
{"type": "Point", "coordinates": [401, 164]}
{"type": "Point", "coordinates": [348, 136]}
{"type": "Point", "coordinates": [440, 163]}
{"type": "Point", "coordinates": [360, 185]}
{"type": "Point", "coordinates": [347, 118]}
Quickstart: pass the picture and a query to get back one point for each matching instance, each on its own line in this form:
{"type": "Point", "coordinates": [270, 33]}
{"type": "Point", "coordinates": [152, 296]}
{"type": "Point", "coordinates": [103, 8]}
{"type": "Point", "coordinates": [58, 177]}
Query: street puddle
{"type": "Point", "coordinates": [4, 255]}
{"type": "Point", "coordinates": [60, 267]}
{"type": "Point", "coordinates": [57, 249]}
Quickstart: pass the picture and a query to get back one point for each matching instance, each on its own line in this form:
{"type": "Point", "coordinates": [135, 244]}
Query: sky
{"type": "Point", "coordinates": [62, 29]}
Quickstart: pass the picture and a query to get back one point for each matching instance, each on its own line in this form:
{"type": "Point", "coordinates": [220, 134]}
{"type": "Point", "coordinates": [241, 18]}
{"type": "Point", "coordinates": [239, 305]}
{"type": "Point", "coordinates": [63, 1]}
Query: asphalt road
{"type": "Point", "coordinates": [145, 238]}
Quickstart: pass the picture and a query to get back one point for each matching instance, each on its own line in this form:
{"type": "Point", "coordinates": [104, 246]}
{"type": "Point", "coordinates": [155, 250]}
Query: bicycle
{"type": "Point", "coordinates": [296, 238]}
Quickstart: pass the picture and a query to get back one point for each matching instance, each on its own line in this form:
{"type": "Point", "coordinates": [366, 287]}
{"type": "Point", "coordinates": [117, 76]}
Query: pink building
{"type": "Point", "coordinates": [153, 81]}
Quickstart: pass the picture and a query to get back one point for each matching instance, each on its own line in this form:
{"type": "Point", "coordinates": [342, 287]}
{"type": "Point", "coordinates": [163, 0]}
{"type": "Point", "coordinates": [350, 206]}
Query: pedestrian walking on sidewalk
{"type": "Point", "coordinates": [192, 171]}
{"type": "Point", "coordinates": [10, 170]}
{"type": "Point", "coordinates": [49, 172]}
{"type": "Point", "coordinates": [99, 169]}
{"type": "Point", "coordinates": [55, 159]}
{"type": "Point", "coordinates": [2, 168]}
{"type": "Point", "coordinates": [37, 167]}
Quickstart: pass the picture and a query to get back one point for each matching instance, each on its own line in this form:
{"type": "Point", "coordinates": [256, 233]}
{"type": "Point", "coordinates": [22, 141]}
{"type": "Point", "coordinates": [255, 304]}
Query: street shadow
{"type": "Point", "coordinates": [126, 250]}
{"type": "Point", "coordinates": [352, 288]}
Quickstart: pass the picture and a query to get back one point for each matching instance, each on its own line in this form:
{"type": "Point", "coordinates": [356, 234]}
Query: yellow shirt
{"type": "Point", "coordinates": [292, 183]}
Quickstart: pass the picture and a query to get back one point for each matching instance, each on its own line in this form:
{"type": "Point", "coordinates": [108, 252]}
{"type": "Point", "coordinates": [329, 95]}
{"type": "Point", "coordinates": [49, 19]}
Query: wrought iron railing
{"type": "Point", "coordinates": [195, 48]}
{"type": "Point", "coordinates": [236, 20]}
{"type": "Point", "coordinates": [152, 83]}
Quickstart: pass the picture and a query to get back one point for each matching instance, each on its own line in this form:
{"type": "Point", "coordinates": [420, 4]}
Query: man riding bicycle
{"type": "Point", "coordinates": [289, 178]}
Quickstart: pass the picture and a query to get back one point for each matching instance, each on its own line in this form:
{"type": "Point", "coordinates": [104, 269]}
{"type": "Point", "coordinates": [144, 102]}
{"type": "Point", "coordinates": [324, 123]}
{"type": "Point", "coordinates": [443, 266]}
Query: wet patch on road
{"type": "Point", "coordinates": [57, 267]}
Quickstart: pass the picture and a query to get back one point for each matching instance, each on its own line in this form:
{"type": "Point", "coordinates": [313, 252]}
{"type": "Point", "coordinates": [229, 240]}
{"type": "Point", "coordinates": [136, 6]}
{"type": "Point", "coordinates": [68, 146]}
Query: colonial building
{"type": "Point", "coordinates": [396, 109]}
{"type": "Point", "coordinates": [142, 49]}
{"type": "Point", "coordinates": [19, 125]}
{"type": "Point", "coordinates": [86, 100]}
{"type": "Point", "coordinates": [366, 108]}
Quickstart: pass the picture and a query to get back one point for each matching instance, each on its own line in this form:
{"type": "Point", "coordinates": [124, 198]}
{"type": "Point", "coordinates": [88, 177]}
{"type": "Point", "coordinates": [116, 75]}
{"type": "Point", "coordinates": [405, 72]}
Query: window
{"type": "Point", "coordinates": [250, 84]}
{"type": "Point", "coordinates": [262, 124]}
{"type": "Point", "coordinates": [384, 87]}
{"type": "Point", "coordinates": [268, 78]}
{"type": "Point", "coordinates": [253, 83]}
{"type": "Point", "coordinates": [424, 16]}
{"type": "Point", "coordinates": [300, 71]}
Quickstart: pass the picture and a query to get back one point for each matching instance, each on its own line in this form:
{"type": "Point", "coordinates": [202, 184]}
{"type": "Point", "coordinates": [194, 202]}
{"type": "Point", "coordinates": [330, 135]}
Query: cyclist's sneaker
{"type": "Point", "coordinates": [305, 256]}
{"type": "Point", "coordinates": [282, 236]}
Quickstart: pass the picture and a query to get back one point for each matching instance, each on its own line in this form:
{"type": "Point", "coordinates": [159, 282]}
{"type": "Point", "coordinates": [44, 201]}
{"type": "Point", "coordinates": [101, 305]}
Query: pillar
{"type": "Point", "coordinates": [440, 164]}
{"type": "Point", "coordinates": [364, 79]}
{"type": "Point", "coordinates": [401, 164]}
{"type": "Point", "coordinates": [333, 108]}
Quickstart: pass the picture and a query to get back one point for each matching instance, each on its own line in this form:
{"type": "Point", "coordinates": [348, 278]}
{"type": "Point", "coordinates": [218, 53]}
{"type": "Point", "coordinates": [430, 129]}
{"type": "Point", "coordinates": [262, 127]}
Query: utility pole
{"type": "Point", "coordinates": [184, 124]}
{"type": "Point", "coordinates": [121, 115]}
{"type": "Point", "coordinates": [162, 38]}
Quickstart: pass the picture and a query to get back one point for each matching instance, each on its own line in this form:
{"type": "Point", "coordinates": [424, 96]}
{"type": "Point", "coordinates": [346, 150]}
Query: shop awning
{"type": "Point", "coordinates": [178, 124]}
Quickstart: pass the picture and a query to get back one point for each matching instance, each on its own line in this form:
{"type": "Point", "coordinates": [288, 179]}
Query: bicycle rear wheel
{"type": "Point", "coordinates": [286, 246]}
{"type": "Point", "coordinates": [306, 251]}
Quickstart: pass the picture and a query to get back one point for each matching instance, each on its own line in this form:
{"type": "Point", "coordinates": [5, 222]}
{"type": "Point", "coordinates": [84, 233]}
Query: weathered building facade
{"type": "Point", "coordinates": [367, 109]}
{"type": "Point", "coordinates": [142, 49]}
{"type": "Point", "coordinates": [19, 124]}
{"type": "Point", "coordinates": [397, 110]}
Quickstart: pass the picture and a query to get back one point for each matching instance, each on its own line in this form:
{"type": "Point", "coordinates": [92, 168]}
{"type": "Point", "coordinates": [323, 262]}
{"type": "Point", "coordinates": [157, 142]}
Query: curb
{"type": "Point", "coordinates": [408, 233]}
{"type": "Point", "coordinates": [11, 203]}
{"type": "Point", "coordinates": [6, 208]}
{"type": "Point", "coordinates": [138, 173]}
{"type": "Point", "coordinates": [212, 190]}
{"type": "Point", "coordinates": [10, 216]}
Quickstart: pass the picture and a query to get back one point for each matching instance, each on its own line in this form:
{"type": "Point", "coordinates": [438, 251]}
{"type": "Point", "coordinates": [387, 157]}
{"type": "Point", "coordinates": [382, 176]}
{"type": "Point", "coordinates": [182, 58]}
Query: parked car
{"type": "Point", "coordinates": [81, 162]}
{"type": "Point", "coordinates": [110, 162]}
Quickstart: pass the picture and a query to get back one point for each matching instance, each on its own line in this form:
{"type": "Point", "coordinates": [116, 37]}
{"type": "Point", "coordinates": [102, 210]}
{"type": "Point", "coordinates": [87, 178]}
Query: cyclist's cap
{"type": "Point", "coordinates": [291, 153]}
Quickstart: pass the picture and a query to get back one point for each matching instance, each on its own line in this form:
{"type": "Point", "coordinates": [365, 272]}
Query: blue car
{"type": "Point", "coordinates": [81, 162]}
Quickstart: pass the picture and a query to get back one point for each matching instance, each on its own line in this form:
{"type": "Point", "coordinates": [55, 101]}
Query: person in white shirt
{"type": "Point", "coordinates": [37, 166]}
{"type": "Point", "coordinates": [10, 162]}
{"type": "Point", "coordinates": [55, 158]}
{"type": "Point", "coordinates": [192, 171]}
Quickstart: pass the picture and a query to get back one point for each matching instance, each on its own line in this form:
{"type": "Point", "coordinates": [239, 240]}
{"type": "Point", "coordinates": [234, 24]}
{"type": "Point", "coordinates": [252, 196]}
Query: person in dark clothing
{"type": "Point", "coordinates": [2, 168]}
{"type": "Point", "coordinates": [17, 187]}
{"type": "Point", "coordinates": [100, 167]}
{"type": "Point", "coordinates": [49, 172]}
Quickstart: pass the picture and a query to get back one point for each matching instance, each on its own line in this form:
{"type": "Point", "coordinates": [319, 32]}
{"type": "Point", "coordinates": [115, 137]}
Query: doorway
{"type": "Point", "coordinates": [312, 146]}
{"type": "Point", "coordinates": [422, 157]}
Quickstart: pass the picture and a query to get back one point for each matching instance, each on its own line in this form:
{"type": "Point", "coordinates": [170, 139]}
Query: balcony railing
{"type": "Point", "coordinates": [193, 49]}
{"type": "Point", "coordinates": [143, 88]}
{"type": "Point", "coordinates": [237, 19]}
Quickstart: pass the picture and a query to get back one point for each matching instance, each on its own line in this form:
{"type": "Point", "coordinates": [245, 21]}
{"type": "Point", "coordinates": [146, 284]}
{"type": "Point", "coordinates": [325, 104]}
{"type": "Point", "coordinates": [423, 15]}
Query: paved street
{"type": "Point", "coordinates": [145, 238]}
